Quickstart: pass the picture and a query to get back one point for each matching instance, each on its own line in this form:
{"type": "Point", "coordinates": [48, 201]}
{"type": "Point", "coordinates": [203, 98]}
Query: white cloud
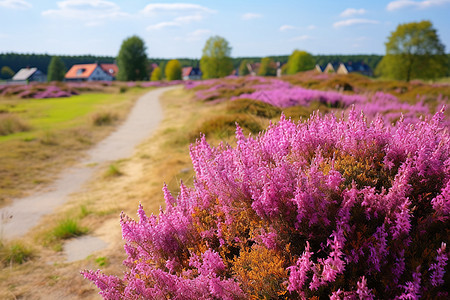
{"type": "Point", "coordinates": [178, 14]}
{"type": "Point", "coordinates": [351, 22]}
{"type": "Point", "coordinates": [400, 4]}
{"type": "Point", "coordinates": [349, 12]}
{"type": "Point", "coordinates": [301, 38]}
{"type": "Point", "coordinates": [15, 4]}
{"type": "Point", "coordinates": [162, 25]}
{"type": "Point", "coordinates": [91, 11]}
{"type": "Point", "coordinates": [194, 36]}
{"type": "Point", "coordinates": [251, 16]}
{"type": "Point", "coordinates": [311, 27]}
{"type": "Point", "coordinates": [287, 27]}
{"type": "Point", "coordinates": [155, 8]}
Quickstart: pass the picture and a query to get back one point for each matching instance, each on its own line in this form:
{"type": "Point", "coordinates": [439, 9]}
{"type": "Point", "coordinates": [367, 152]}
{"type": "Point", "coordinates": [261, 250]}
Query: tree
{"type": "Point", "coordinates": [56, 69]}
{"type": "Point", "coordinates": [243, 68]}
{"type": "Point", "coordinates": [413, 50]}
{"type": "Point", "coordinates": [156, 74]}
{"type": "Point", "coordinates": [216, 61]}
{"type": "Point", "coordinates": [6, 72]}
{"type": "Point", "coordinates": [267, 67]}
{"type": "Point", "coordinates": [173, 70]}
{"type": "Point", "coordinates": [300, 61]}
{"type": "Point", "coordinates": [132, 60]}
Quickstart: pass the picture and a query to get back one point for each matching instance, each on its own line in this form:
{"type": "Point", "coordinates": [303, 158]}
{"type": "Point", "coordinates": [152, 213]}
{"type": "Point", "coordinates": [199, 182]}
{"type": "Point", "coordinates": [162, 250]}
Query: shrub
{"type": "Point", "coordinates": [104, 118]}
{"type": "Point", "coordinates": [253, 107]}
{"type": "Point", "coordinates": [329, 207]}
{"type": "Point", "coordinates": [68, 228]}
{"type": "Point", "coordinates": [224, 126]}
{"type": "Point", "coordinates": [10, 123]}
{"type": "Point", "coordinates": [14, 253]}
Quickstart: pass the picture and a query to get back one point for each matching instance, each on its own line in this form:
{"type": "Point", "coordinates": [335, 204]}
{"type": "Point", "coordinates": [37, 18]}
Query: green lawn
{"type": "Point", "coordinates": [58, 113]}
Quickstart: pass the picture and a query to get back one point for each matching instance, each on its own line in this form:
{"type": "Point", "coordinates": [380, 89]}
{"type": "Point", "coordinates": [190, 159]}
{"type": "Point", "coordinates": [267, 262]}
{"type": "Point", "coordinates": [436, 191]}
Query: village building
{"type": "Point", "coordinates": [91, 72]}
{"type": "Point", "coordinates": [111, 69]}
{"type": "Point", "coordinates": [191, 73]}
{"type": "Point", "coordinates": [29, 75]}
{"type": "Point", "coordinates": [345, 68]}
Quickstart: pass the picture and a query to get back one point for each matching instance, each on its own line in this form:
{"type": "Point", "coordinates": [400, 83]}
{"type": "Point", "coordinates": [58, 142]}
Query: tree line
{"type": "Point", "coordinates": [413, 50]}
{"type": "Point", "coordinates": [17, 61]}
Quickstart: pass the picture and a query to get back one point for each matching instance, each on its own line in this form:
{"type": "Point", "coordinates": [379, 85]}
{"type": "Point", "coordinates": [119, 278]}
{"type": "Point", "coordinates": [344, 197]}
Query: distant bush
{"type": "Point", "coordinates": [253, 107]}
{"type": "Point", "coordinates": [10, 123]}
{"type": "Point", "coordinates": [328, 208]}
{"type": "Point", "coordinates": [104, 118]}
{"type": "Point", "coordinates": [224, 126]}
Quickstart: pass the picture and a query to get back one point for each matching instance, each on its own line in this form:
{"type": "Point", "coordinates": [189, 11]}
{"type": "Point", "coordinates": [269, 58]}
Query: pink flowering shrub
{"type": "Point", "coordinates": [283, 95]}
{"type": "Point", "coordinates": [326, 208]}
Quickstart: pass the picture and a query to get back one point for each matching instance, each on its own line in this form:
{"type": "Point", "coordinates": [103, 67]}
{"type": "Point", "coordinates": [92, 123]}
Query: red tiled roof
{"type": "Point", "coordinates": [186, 71]}
{"type": "Point", "coordinates": [81, 71]}
{"type": "Point", "coordinates": [110, 69]}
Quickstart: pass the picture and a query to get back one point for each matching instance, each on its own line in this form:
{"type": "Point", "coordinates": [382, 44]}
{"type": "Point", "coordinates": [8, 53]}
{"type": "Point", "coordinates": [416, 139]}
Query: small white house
{"type": "Point", "coordinates": [29, 74]}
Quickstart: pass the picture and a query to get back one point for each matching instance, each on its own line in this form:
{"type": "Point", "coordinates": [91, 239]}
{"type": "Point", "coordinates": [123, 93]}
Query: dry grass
{"type": "Point", "coordinates": [11, 123]}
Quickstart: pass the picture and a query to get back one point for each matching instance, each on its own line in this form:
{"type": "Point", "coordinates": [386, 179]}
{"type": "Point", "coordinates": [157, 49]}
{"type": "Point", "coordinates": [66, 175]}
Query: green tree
{"type": "Point", "coordinates": [243, 68]}
{"type": "Point", "coordinates": [267, 67]}
{"type": "Point", "coordinates": [173, 70]}
{"type": "Point", "coordinates": [132, 60]}
{"type": "Point", "coordinates": [156, 74]}
{"type": "Point", "coordinates": [216, 61]}
{"type": "Point", "coordinates": [6, 72]}
{"type": "Point", "coordinates": [413, 50]}
{"type": "Point", "coordinates": [300, 61]}
{"type": "Point", "coordinates": [56, 69]}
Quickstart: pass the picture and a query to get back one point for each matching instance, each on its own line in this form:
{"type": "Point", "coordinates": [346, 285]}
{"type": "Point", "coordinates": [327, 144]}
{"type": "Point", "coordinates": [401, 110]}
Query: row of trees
{"type": "Point", "coordinates": [413, 50]}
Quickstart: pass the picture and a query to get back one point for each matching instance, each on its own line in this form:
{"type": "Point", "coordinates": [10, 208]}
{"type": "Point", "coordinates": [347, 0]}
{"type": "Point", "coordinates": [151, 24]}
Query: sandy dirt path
{"type": "Point", "coordinates": [25, 213]}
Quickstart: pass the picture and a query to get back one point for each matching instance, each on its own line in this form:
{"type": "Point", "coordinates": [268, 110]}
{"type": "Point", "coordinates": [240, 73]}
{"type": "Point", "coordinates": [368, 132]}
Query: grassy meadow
{"type": "Point", "coordinates": [38, 137]}
{"type": "Point", "coordinates": [34, 267]}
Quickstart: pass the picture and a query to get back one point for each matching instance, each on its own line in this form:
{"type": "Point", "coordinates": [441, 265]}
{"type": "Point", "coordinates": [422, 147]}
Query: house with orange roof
{"type": "Point", "coordinates": [91, 72]}
{"type": "Point", "coordinates": [191, 73]}
{"type": "Point", "coordinates": [111, 69]}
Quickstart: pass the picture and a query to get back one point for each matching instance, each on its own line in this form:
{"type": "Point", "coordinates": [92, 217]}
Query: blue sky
{"type": "Point", "coordinates": [179, 29]}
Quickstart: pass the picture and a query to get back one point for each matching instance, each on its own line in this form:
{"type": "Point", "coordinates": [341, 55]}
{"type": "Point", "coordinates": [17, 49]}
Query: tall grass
{"type": "Point", "coordinates": [68, 228]}
{"type": "Point", "coordinates": [14, 253]}
{"type": "Point", "coordinates": [11, 123]}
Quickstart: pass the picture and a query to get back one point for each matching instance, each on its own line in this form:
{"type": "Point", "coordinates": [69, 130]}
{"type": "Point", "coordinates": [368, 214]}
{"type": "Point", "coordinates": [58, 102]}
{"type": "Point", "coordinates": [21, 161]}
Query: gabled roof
{"type": "Point", "coordinates": [24, 74]}
{"type": "Point", "coordinates": [110, 69]}
{"type": "Point", "coordinates": [81, 71]}
{"type": "Point", "coordinates": [186, 71]}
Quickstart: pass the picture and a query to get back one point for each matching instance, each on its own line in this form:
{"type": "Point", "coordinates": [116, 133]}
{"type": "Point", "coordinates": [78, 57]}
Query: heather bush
{"type": "Point", "coordinates": [327, 208]}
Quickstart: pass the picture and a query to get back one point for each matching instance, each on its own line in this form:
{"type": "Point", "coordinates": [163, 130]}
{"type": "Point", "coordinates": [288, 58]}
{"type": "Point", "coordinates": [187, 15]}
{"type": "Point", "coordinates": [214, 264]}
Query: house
{"type": "Point", "coordinates": [329, 69]}
{"type": "Point", "coordinates": [253, 68]}
{"type": "Point", "coordinates": [111, 69]}
{"type": "Point", "coordinates": [191, 73]}
{"type": "Point", "coordinates": [345, 68]}
{"type": "Point", "coordinates": [352, 67]}
{"type": "Point", "coordinates": [29, 74]}
{"type": "Point", "coordinates": [318, 69]}
{"type": "Point", "coordinates": [89, 72]}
